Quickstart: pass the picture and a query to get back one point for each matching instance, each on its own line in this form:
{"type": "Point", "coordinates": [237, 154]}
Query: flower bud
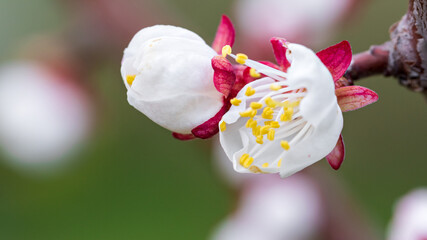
{"type": "Point", "coordinates": [169, 77]}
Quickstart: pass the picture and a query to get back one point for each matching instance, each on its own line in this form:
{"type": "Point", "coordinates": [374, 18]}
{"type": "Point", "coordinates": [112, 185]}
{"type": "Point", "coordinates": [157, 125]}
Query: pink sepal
{"type": "Point", "coordinates": [183, 137]}
{"type": "Point", "coordinates": [224, 34]}
{"type": "Point", "coordinates": [280, 48]}
{"type": "Point", "coordinates": [336, 157]}
{"type": "Point", "coordinates": [210, 127]}
{"type": "Point", "coordinates": [354, 97]}
{"type": "Point", "coordinates": [336, 58]}
{"type": "Point", "coordinates": [224, 76]}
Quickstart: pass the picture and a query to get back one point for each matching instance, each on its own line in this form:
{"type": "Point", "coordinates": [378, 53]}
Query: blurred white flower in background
{"type": "Point", "coordinates": [308, 22]}
{"type": "Point", "coordinates": [271, 208]}
{"type": "Point", "coordinates": [44, 117]}
{"type": "Point", "coordinates": [410, 217]}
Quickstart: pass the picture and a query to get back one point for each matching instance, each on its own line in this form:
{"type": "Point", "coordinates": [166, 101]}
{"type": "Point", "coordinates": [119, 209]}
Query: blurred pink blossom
{"type": "Point", "coordinates": [44, 115]}
{"type": "Point", "coordinates": [410, 217]}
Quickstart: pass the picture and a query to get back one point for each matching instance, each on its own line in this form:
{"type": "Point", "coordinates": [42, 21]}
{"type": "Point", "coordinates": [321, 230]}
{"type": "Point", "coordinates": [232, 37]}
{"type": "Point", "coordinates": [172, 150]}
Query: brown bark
{"type": "Point", "coordinates": [404, 56]}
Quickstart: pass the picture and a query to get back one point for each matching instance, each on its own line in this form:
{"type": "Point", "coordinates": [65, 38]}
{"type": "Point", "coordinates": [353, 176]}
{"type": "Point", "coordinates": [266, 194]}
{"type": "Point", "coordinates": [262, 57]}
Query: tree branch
{"type": "Point", "coordinates": [403, 57]}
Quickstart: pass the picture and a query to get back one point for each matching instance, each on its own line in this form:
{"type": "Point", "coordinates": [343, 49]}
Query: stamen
{"type": "Point", "coordinates": [226, 50]}
{"type": "Point", "coordinates": [285, 145]}
{"type": "Point", "coordinates": [256, 105]}
{"type": "Point", "coordinates": [241, 58]}
{"type": "Point", "coordinates": [248, 113]}
{"type": "Point", "coordinates": [222, 126]}
{"type": "Point", "coordinates": [130, 79]}
{"type": "Point", "coordinates": [235, 101]}
{"type": "Point", "coordinates": [254, 73]}
{"type": "Point", "coordinates": [267, 113]}
{"type": "Point", "coordinates": [270, 102]}
{"type": "Point", "coordinates": [279, 164]}
{"type": "Point", "coordinates": [243, 158]}
{"type": "Point", "coordinates": [264, 130]}
{"type": "Point", "coordinates": [249, 91]}
{"type": "Point", "coordinates": [270, 135]}
{"type": "Point", "coordinates": [259, 139]}
{"type": "Point", "coordinates": [248, 162]}
{"type": "Point", "coordinates": [265, 165]}
{"type": "Point", "coordinates": [249, 122]}
{"type": "Point", "coordinates": [275, 87]}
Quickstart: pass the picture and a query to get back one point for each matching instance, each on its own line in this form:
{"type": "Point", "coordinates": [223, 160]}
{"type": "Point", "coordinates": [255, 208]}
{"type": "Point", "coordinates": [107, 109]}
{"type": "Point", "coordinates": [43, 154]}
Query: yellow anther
{"type": "Point", "coordinates": [241, 58]}
{"type": "Point", "coordinates": [249, 91]}
{"type": "Point", "coordinates": [253, 124]}
{"type": "Point", "coordinates": [243, 158]}
{"type": "Point", "coordinates": [226, 50]}
{"type": "Point", "coordinates": [235, 101]}
{"type": "Point", "coordinates": [248, 113]}
{"type": "Point", "coordinates": [256, 105]}
{"type": "Point", "coordinates": [259, 139]}
{"type": "Point", "coordinates": [130, 79]}
{"type": "Point", "coordinates": [255, 169]}
{"type": "Point", "coordinates": [285, 104]}
{"type": "Point", "coordinates": [270, 134]}
{"type": "Point", "coordinates": [275, 87]}
{"type": "Point", "coordinates": [285, 145]}
{"type": "Point", "coordinates": [222, 126]}
{"type": "Point", "coordinates": [249, 122]}
{"type": "Point", "coordinates": [279, 163]}
{"type": "Point", "coordinates": [287, 115]}
{"type": "Point", "coordinates": [270, 102]}
{"type": "Point", "coordinates": [264, 130]}
{"type": "Point", "coordinates": [256, 130]}
{"type": "Point", "coordinates": [267, 113]}
{"type": "Point", "coordinates": [274, 124]}
{"type": "Point", "coordinates": [265, 165]}
{"type": "Point", "coordinates": [254, 73]}
{"type": "Point", "coordinates": [248, 162]}
{"type": "Point", "coordinates": [267, 122]}
{"type": "Point", "coordinates": [295, 104]}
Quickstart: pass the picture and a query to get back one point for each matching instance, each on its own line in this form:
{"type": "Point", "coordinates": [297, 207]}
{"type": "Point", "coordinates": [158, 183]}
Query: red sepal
{"type": "Point", "coordinates": [336, 58]}
{"type": "Point", "coordinates": [224, 76]}
{"type": "Point", "coordinates": [224, 34]}
{"type": "Point", "coordinates": [280, 48]}
{"type": "Point", "coordinates": [210, 127]}
{"type": "Point", "coordinates": [183, 137]}
{"type": "Point", "coordinates": [336, 157]}
{"type": "Point", "coordinates": [354, 97]}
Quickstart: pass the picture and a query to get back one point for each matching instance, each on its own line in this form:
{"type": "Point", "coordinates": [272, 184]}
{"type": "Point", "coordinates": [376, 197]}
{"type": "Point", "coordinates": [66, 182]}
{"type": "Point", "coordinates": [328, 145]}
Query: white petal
{"type": "Point", "coordinates": [313, 131]}
{"type": "Point", "coordinates": [174, 78]}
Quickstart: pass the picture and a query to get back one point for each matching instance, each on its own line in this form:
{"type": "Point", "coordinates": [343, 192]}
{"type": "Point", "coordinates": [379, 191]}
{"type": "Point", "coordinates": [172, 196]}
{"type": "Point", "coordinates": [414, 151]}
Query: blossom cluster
{"type": "Point", "coordinates": [271, 118]}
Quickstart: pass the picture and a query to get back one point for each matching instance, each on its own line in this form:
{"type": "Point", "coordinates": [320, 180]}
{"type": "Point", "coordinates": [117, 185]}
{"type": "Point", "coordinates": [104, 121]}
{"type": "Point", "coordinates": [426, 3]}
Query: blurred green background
{"type": "Point", "coordinates": [134, 181]}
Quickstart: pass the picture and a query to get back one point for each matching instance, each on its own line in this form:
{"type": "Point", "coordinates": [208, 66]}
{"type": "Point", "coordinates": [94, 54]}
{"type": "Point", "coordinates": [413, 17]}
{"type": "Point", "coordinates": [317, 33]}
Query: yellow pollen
{"type": "Point", "coordinates": [226, 50]}
{"type": "Point", "coordinates": [130, 79]}
{"type": "Point", "coordinates": [287, 115]}
{"type": "Point", "coordinates": [264, 130]}
{"type": "Point", "coordinates": [265, 165]}
{"type": "Point", "coordinates": [267, 113]}
{"type": "Point", "coordinates": [267, 122]}
{"type": "Point", "coordinates": [275, 87]}
{"type": "Point", "coordinates": [248, 162]}
{"type": "Point", "coordinates": [270, 102]}
{"type": "Point", "coordinates": [243, 158]}
{"type": "Point", "coordinates": [279, 163]}
{"type": "Point", "coordinates": [255, 169]}
{"type": "Point", "coordinates": [235, 101]}
{"type": "Point", "coordinates": [256, 131]}
{"type": "Point", "coordinates": [253, 124]}
{"type": "Point", "coordinates": [256, 105]}
{"type": "Point", "coordinates": [249, 91]}
{"type": "Point", "coordinates": [270, 134]}
{"type": "Point", "coordinates": [222, 126]}
{"type": "Point", "coordinates": [254, 73]}
{"type": "Point", "coordinates": [274, 124]}
{"type": "Point", "coordinates": [259, 139]}
{"type": "Point", "coordinates": [241, 58]}
{"type": "Point", "coordinates": [248, 113]}
{"type": "Point", "coordinates": [249, 122]}
{"type": "Point", "coordinates": [285, 145]}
